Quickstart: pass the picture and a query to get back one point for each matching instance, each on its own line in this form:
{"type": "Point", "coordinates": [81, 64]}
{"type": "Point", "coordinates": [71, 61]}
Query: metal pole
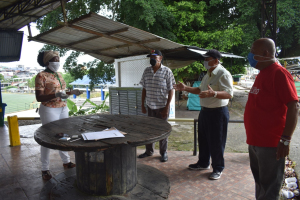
{"type": "Point", "coordinates": [102, 94]}
{"type": "Point", "coordinates": [175, 90]}
{"type": "Point", "coordinates": [2, 110]}
{"type": "Point", "coordinates": [195, 137]}
{"type": "Point", "coordinates": [74, 96]}
{"type": "Point", "coordinates": [87, 92]}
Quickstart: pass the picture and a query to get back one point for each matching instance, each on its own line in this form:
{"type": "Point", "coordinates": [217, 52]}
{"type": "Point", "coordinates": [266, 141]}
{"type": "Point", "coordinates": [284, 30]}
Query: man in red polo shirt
{"type": "Point", "coordinates": [270, 118]}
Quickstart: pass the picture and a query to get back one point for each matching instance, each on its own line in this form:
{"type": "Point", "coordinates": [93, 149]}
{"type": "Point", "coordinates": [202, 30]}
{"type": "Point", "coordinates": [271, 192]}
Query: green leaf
{"type": "Point", "coordinates": [71, 105]}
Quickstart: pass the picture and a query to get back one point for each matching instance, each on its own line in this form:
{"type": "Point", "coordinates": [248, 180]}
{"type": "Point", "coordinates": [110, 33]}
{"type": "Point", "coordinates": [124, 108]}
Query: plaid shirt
{"type": "Point", "coordinates": [157, 86]}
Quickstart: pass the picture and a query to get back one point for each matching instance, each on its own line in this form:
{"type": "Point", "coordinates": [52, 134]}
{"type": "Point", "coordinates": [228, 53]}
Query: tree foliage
{"type": "Point", "coordinates": [31, 82]}
{"type": "Point", "coordinates": [75, 9]}
{"type": "Point", "coordinates": [101, 73]}
{"type": "Point", "coordinates": [188, 73]}
{"type": "Point", "coordinates": [228, 25]}
{"type": "Point", "coordinates": [152, 16]}
{"type": "Point", "coordinates": [68, 78]}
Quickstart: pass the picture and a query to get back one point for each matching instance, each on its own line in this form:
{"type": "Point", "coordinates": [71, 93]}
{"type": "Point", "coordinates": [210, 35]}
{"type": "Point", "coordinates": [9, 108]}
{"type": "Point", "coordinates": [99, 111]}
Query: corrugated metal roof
{"type": "Point", "coordinates": [104, 38]}
{"type": "Point", "coordinates": [108, 40]}
{"type": "Point", "coordinates": [229, 55]}
{"type": "Point", "coordinates": [15, 14]}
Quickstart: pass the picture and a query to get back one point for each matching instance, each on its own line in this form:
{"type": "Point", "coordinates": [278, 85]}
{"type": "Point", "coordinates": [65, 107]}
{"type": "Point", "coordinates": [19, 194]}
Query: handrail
{"type": "Point", "coordinates": [29, 118]}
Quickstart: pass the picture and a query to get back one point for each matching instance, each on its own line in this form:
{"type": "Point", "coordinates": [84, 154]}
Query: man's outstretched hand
{"type": "Point", "coordinates": [180, 86]}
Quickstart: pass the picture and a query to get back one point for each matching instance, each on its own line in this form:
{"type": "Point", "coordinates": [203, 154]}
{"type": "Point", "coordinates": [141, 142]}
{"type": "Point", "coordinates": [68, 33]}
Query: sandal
{"type": "Point", "coordinates": [46, 175]}
{"type": "Point", "coordinates": [69, 165]}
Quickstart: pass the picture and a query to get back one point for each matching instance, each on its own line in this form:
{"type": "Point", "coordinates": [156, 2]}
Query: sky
{"type": "Point", "coordinates": [30, 50]}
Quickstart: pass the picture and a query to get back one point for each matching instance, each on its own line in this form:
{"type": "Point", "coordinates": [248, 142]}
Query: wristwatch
{"type": "Point", "coordinates": [215, 94]}
{"type": "Point", "coordinates": [284, 142]}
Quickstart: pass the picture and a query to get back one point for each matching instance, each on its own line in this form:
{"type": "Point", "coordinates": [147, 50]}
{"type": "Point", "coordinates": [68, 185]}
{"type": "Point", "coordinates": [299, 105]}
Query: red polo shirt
{"type": "Point", "coordinates": [265, 111]}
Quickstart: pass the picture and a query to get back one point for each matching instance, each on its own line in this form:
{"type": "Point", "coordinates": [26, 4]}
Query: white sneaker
{"type": "Point", "coordinates": [215, 175]}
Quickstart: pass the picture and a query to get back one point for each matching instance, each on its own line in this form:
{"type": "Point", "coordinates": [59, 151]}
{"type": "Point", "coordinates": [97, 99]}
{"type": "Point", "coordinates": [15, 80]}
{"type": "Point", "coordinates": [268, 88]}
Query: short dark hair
{"type": "Point", "coordinates": [40, 59]}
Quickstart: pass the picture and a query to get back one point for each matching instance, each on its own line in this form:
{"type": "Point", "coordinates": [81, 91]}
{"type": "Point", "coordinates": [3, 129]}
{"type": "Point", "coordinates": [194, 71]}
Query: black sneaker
{"type": "Point", "coordinates": [164, 157]}
{"type": "Point", "coordinates": [197, 167]}
{"type": "Point", "coordinates": [144, 155]}
{"type": "Point", "coordinates": [215, 175]}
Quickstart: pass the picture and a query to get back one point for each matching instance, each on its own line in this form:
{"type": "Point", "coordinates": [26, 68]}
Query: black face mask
{"type": "Point", "coordinates": [152, 61]}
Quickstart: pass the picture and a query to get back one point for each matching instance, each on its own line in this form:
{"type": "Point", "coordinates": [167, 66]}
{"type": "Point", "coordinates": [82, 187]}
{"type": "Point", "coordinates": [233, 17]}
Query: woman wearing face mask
{"type": "Point", "coordinates": [49, 90]}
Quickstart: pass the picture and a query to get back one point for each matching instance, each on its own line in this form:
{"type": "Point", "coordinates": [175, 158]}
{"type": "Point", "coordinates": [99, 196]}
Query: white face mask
{"type": "Point", "coordinates": [206, 65]}
{"type": "Point", "coordinates": [54, 66]}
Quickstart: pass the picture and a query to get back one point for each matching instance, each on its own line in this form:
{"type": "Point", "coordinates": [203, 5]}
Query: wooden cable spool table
{"type": "Point", "coordinates": [105, 167]}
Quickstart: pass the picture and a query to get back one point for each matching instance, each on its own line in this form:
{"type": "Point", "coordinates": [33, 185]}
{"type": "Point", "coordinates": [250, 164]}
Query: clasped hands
{"type": "Point", "coordinates": [203, 94]}
{"type": "Point", "coordinates": [76, 92]}
{"type": "Point", "coordinates": [61, 94]}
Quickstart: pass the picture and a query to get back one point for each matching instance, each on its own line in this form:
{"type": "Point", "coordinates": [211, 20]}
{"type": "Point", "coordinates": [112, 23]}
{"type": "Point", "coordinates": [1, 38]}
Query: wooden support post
{"type": "Point", "coordinates": [13, 127]}
{"type": "Point", "coordinates": [108, 172]}
{"type": "Point", "coordinates": [63, 7]}
{"type": "Point", "coordinates": [29, 30]}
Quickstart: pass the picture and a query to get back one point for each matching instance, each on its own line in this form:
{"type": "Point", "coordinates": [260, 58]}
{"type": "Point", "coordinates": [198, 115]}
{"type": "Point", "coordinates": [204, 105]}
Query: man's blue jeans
{"type": "Point", "coordinates": [212, 134]}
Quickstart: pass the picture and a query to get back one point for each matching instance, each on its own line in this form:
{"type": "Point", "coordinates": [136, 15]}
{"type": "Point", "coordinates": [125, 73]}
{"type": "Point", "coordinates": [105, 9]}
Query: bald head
{"type": "Point", "coordinates": [264, 52]}
{"type": "Point", "coordinates": [265, 46]}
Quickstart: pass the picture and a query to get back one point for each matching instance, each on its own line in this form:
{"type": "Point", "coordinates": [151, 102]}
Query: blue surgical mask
{"type": "Point", "coordinates": [251, 60]}
{"type": "Point", "coordinates": [254, 62]}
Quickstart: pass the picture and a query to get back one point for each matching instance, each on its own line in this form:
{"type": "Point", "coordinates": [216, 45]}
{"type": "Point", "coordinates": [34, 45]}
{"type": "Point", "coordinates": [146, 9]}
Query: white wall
{"type": "Point", "coordinates": [129, 71]}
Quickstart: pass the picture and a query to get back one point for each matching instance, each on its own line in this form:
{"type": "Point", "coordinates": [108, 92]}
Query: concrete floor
{"type": "Point", "coordinates": [20, 175]}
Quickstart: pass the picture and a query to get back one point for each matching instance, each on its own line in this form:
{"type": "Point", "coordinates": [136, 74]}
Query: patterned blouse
{"type": "Point", "coordinates": [48, 83]}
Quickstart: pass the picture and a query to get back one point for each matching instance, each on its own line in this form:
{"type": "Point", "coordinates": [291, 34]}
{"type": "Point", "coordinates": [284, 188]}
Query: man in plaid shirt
{"type": "Point", "coordinates": [157, 82]}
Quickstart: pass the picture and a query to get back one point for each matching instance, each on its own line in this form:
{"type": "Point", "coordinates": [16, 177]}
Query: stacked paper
{"type": "Point", "coordinates": [109, 133]}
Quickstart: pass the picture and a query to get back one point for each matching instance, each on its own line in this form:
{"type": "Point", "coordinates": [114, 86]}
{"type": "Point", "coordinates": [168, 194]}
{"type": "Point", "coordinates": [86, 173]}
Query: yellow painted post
{"type": "Point", "coordinates": [285, 64]}
{"type": "Point", "coordinates": [13, 127]}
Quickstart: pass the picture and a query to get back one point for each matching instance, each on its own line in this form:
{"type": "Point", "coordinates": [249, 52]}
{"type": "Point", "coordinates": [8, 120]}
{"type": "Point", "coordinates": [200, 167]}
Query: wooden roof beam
{"type": "Point", "coordinates": [65, 46]}
{"type": "Point", "coordinates": [11, 13]}
{"type": "Point", "coordinates": [105, 35]}
{"type": "Point", "coordinates": [127, 45]}
{"type": "Point", "coordinates": [118, 31]}
{"type": "Point", "coordinates": [84, 40]}
{"type": "Point", "coordinates": [95, 37]}
{"type": "Point", "coordinates": [33, 16]}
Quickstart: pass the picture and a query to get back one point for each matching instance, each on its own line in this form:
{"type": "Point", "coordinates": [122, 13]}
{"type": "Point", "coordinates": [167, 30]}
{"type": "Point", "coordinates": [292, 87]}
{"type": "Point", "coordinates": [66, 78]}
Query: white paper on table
{"type": "Point", "coordinates": [83, 136]}
{"type": "Point", "coordinates": [102, 135]}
